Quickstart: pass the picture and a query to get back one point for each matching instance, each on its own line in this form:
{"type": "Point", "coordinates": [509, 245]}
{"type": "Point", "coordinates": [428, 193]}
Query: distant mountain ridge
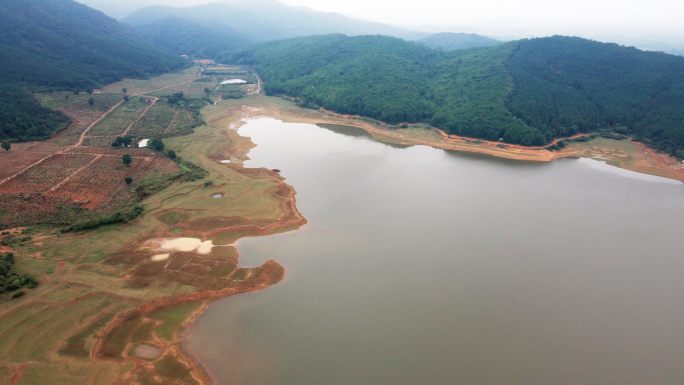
{"type": "Point", "coordinates": [523, 92]}
{"type": "Point", "coordinates": [450, 41]}
{"type": "Point", "coordinates": [187, 37]}
{"type": "Point", "coordinates": [266, 20]}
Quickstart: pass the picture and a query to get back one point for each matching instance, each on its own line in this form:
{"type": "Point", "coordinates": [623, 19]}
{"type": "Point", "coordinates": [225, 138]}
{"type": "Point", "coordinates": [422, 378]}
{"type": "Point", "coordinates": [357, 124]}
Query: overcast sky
{"type": "Point", "coordinates": [661, 14]}
{"type": "Point", "coordinates": [494, 17]}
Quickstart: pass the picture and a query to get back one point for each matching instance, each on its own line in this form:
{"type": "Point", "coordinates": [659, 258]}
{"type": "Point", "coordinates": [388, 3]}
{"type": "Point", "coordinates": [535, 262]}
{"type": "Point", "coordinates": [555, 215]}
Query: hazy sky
{"type": "Point", "coordinates": [588, 12]}
{"type": "Point", "coordinates": [597, 13]}
{"type": "Point", "coordinates": [654, 17]}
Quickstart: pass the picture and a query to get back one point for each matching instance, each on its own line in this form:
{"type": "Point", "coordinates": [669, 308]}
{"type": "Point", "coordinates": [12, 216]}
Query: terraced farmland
{"type": "Point", "coordinates": [164, 120]}
{"type": "Point", "coordinates": [118, 120]}
{"type": "Point", "coordinates": [46, 175]}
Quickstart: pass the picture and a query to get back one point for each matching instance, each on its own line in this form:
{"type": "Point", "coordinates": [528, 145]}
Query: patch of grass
{"type": "Point", "coordinates": [116, 341]}
{"type": "Point", "coordinates": [76, 344]}
{"type": "Point", "coordinates": [170, 367]}
{"type": "Point", "coordinates": [143, 333]}
{"type": "Point", "coordinates": [173, 217]}
{"type": "Point", "coordinates": [173, 318]}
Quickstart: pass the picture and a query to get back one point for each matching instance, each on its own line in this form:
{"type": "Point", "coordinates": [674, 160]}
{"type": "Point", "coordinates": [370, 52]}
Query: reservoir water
{"type": "Point", "coordinates": [423, 266]}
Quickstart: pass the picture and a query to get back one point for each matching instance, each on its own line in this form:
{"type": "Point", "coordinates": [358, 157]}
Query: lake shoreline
{"type": "Point", "coordinates": [634, 156]}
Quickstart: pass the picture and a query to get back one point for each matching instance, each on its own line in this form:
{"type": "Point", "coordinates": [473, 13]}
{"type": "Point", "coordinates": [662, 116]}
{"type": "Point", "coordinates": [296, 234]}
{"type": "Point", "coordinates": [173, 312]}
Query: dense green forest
{"type": "Point", "coordinates": [524, 92]}
{"type": "Point", "coordinates": [23, 118]}
{"type": "Point", "coordinates": [566, 85]}
{"type": "Point", "coordinates": [63, 45]}
{"type": "Point", "coordinates": [450, 41]}
{"type": "Point", "coordinates": [394, 81]}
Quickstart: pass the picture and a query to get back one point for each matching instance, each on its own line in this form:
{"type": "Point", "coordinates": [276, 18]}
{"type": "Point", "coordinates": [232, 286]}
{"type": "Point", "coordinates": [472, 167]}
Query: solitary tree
{"type": "Point", "coordinates": [171, 154]}
{"type": "Point", "coordinates": [128, 180]}
{"type": "Point", "coordinates": [207, 90]}
{"type": "Point", "coordinates": [124, 90]}
{"type": "Point", "coordinates": [125, 98]}
{"type": "Point", "coordinates": [91, 101]}
{"type": "Point", "coordinates": [126, 159]}
{"type": "Point", "coordinates": [6, 145]}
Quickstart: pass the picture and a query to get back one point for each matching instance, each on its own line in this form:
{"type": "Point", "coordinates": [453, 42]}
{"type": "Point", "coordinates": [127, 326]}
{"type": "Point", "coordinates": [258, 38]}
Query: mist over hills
{"type": "Point", "coordinates": [266, 20]}
{"type": "Point", "coordinates": [450, 41]}
{"type": "Point", "coordinates": [186, 37]}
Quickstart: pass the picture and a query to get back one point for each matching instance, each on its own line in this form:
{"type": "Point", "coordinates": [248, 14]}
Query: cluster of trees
{"type": "Point", "coordinates": [175, 98]}
{"type": "Point", "coordinates": [125, 141]}
{"type": "Point", "coordinates": [10, 279]}
{"type": "Point", "coordinates": [22, 118]}
{"type": "Point", "coordinates": [526, 92]}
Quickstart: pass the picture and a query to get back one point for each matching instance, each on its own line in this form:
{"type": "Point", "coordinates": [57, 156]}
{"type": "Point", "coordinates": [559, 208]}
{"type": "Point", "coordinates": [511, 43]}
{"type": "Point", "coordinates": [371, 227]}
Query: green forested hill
{"type": "Point", "coordinates": [565, 85]}
{"type": "Point", "coordinates": [64, 45]}
{"type": "Point", "coordinates": [526, 92]}
{"type": "Point", "coordinates": [450, 41]}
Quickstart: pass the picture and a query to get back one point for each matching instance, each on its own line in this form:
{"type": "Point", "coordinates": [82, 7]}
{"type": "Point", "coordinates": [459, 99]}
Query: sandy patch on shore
{"type": "Point", "coordinates": [160, 257]}
{"type": "Point", "coordinates": [183, 244]}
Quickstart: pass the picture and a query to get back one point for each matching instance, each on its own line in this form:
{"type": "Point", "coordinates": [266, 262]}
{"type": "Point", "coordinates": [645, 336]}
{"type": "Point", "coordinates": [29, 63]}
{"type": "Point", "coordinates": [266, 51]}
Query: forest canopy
{"type": "Point", "coordinates": [525, 92]}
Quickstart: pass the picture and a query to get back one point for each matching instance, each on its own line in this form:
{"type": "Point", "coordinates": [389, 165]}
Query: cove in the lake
{"type": "Point", "coordinates": [422, 266]}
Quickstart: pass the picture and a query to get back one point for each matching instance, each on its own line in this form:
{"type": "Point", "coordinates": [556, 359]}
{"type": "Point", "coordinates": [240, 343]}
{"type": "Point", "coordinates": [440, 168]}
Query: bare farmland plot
{"type": "Point", "coordinates": [47, 174]}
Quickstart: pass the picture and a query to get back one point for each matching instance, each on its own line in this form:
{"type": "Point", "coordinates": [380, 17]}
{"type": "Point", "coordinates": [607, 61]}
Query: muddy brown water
{"type": "Point", "coordinates": [422, 266]}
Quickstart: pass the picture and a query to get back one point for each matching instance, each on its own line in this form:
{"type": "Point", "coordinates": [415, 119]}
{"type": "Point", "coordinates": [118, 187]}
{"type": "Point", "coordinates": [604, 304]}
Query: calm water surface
{"type": "Point", "coordinates": [423, 266]}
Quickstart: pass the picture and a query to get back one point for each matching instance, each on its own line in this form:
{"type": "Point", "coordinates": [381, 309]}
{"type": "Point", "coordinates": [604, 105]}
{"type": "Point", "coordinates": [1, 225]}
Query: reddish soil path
{"type": "Point", "coordinates": [85, 132]}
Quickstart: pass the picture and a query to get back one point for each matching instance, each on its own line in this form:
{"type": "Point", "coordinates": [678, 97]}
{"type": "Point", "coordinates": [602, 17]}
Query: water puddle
{"type": "Point", "coordinates": [217, 196]}
{"type": "Point", "coordinates": [234, 81]}
{"type": "Point", "coordinates": [143, 143]}
{"type": "Point", "coordinates": [147, 351]}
